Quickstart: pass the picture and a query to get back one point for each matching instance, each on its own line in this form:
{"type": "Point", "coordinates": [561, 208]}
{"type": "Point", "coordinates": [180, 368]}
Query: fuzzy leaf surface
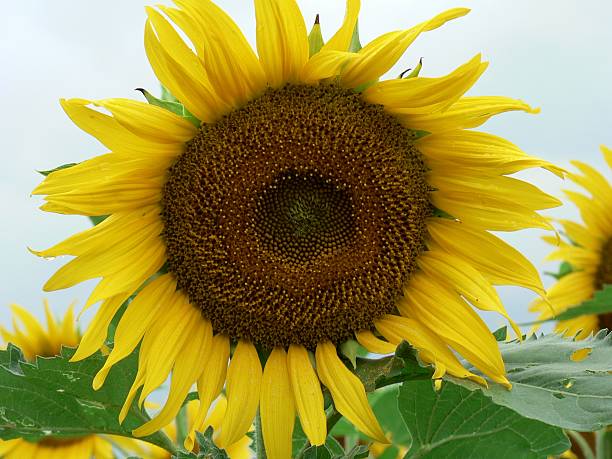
{"type": "Point", "coordinates": [54, 398]}
{"type": "Point", "coordinates": [457, 423]}
{"type": "Point", "coordinates": [550, 384]}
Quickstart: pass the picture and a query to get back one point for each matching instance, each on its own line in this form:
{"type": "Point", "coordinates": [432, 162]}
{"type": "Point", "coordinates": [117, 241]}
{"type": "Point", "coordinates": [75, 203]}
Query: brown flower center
{"type": "Point", "coordinates": [298, 217]}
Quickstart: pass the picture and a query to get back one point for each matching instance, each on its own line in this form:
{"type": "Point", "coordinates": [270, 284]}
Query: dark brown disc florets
{"type": "Point", "coordinates": [298, 217]}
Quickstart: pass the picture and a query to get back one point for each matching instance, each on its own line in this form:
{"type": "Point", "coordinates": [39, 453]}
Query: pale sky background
{"type": "Point", "coordinates": [552, 54]}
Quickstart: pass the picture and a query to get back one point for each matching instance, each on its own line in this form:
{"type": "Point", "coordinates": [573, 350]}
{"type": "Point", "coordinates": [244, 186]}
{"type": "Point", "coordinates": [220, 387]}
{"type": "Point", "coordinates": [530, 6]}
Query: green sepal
{"type": "Point", "coordinates": [171, 105]}
{"type": "Point", "coordinates": [315, 38]}
{"type": "Point", "coordinates": [565, 268]}
{"type": "Point", "coordinates": [167, 95]}
{"type": "Point", "coordinates": [207, 448]}
{"type": "Point", "coordinates": [355, 44]}
{"type": "Point", "coordinates": [414, 73]}
{"type": "Point", "coordinates": [58, 168]}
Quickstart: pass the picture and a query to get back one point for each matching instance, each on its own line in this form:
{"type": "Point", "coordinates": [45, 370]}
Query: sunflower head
{"type": "Point", "coordinates": [32, 338]}
{"type": "Point", "coordinates": [588, 250]}
{"type": "Point", "coordinates": [311, 202]}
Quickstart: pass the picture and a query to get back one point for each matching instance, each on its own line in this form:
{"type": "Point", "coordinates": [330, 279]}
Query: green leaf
{"type": "Point", "coordinates": [315, 38]}
{"type": "Point", "coordinates": [601, 303]}
{"type": "Point", "coordinates": [376, 373]}
{"type": "Point", "coordinates": [458, 423]}
{"type": "Point", "coordinates": [58, 168]}
{"type": "Point", "coordinates": [552, 385]}
{"type": "Point", "coordinates": [316, 452]}
{"type": "Point", "coordinates": [171, 105]}
{"type": "Point", "coordinates": [501, 333]}
{"type": "Point", "coordinates": [54, 398]}
{"type": "Point", "coordinates": [564, 269]}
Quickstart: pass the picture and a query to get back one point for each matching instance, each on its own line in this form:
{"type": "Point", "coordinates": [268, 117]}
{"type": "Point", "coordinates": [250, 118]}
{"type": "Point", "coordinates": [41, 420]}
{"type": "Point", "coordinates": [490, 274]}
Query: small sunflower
{"type": "Point", "coordinates": [34, 341]}
{"type": "Point", "coordinates": [588, 251]}
{"type": "Point", "coordinates": [310, 204]}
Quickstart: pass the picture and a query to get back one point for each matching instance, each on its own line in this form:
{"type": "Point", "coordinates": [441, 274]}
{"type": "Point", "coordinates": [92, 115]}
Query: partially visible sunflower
{"type": "Point", "coordinates": [310, 204]}
{"type": "Point", "coordinates": [35, 341]}
{"type": "Point", "coordinates": [588, 250]}
{"type": "Point", "coordinates": [239, 450]}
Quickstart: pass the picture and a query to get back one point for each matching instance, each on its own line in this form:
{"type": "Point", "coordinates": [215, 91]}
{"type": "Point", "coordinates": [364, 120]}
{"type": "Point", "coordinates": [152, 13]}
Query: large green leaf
{"type": "Point", "coordinates": [458, 423]}
{"type": "Point", "coordinates": [553, 385]}
{"type": "Point", "coordinates": [54, 398]}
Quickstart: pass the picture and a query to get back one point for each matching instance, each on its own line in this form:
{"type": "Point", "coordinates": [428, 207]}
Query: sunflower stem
{"type": "Point", "coordinates": [181, 425]}
{"type": "Point", "coordinates": [260, 449]}
{"type": "Point", "coordinates": [587, 452]}
{"type": "Point", "coordinates": [600, 444]}
{"type": "Point", "coordinates": [332, 419]}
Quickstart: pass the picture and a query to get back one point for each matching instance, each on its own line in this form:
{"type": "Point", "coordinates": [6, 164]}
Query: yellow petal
{"type": "Point", "coordinates": [430, 346]}
{"type": "Point", "coordinates": [591, 180]}
{"type": "Point", "coordinates": [587, 260]}
{"type": "Point", "coordinates": [480, 152]}
{"type": "Point", "coordinates": [607, 154]}
{"type": "Point", "coordinates": [138, 317]}
{"type": "Point", "coordinates": [125, 251]}
{"type": "Point", "coordinates": [112, 134]}
{"type": "Point", "coordinates": [488, 211]}
{"type": "Point", "coordinates": [508, 267]}
{"type": "Point", "coordinates": [499, 187]}
{"type": "Point", "coordinates": [571, 290]}
{"type": "Point", "coordinates": [210, 384]}
{"type": "Point", "coordinates": [579, 327]}
{"type": "Point", "coordinates": [192, 89]}
{"type": "Point", "coordinates": [373, 344]}
{"type": "Point", "coordinates": [342, 38]}
{"type": "Point", "coordinates": [277, 406]}
{"type": "Point", "coordinates": [580, 235]}
{"type": "Point", "coordinates": [282, 40]}
{"type": "Point", "coordinates": [168, 338]}
{"type": "Point", "coordinates": [231, 65]}
{"type": "Point", "coordinates": [307, 393]}
{"type": "Point", "coordinates": [243, 391]}
{"type": "Point", "coordinates": [455, 322]}
{"type": "Point", "coordinates": [594, 212]}
{"type": "Point", "coordinates": [347, 391]}
{"type": "Point", "coordinates": [378, 56]}
{"type": "Point", "coordinates": [325, 64]}
{"type": "Point", "coordinates": [459, 275]}
{"type": "Point", "coordinates": [186, 371]}
{"type": "Point", "coordinates": [425, 95]}
{"type": "Point", "coordinates": [149, 121]}
{"type": "Point", "coordinates": [466, 113]}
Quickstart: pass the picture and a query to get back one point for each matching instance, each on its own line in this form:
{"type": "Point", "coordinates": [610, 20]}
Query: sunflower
{"type": "Point", "coordinates": [34, 341]}
{"type": "Point", "coordinates": [308, 204]}
{"type": "Point", "coordinates": [588, 251]}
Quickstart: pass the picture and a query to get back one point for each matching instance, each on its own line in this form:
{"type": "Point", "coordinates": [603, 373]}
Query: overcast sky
{"type": "Point", "coordinates": [552, 54]}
